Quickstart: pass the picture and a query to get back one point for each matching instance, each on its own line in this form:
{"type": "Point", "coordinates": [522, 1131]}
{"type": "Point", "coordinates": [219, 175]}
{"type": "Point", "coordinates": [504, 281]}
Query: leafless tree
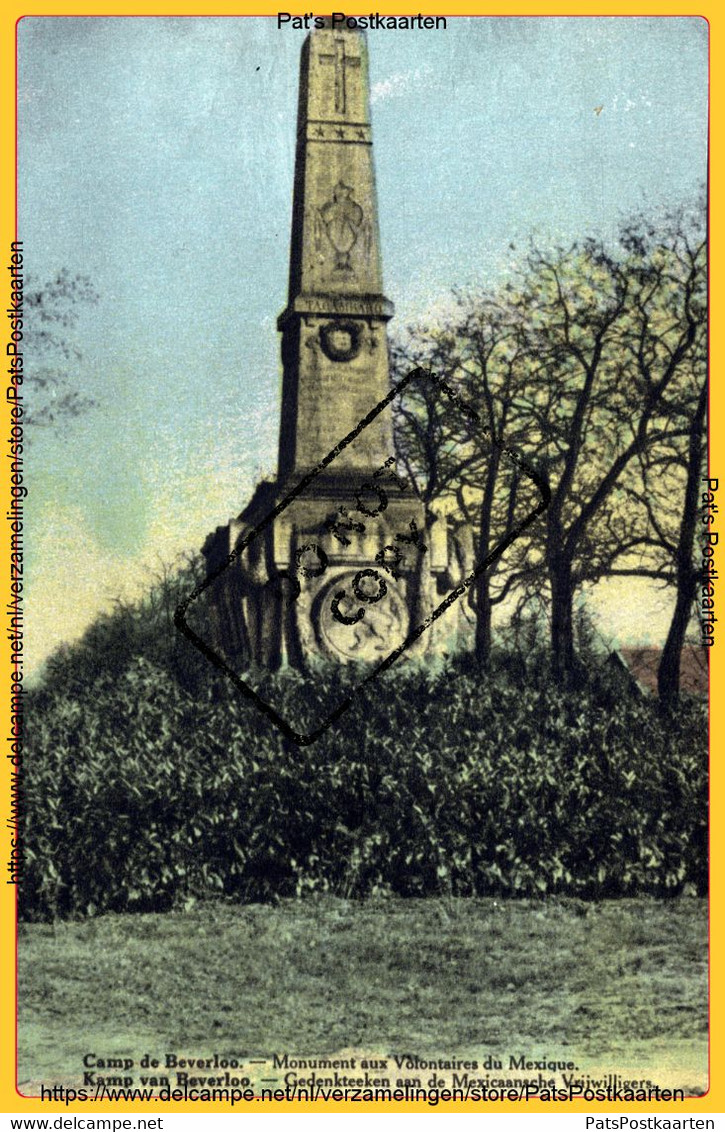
{"type": "Point", "coordinates": [591, 362]}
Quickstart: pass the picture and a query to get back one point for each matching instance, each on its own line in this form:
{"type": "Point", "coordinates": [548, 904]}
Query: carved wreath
{"type": "Point", "coordinates": [340, 340]}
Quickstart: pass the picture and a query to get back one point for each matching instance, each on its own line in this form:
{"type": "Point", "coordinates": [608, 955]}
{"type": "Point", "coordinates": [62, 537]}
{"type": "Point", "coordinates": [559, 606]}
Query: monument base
{"type": "Point", "coordinates": [344, 573]}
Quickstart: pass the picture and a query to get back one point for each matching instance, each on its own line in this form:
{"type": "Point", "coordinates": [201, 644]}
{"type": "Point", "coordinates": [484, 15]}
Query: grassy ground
{"type": "Point", "coordinates": [612, 986]}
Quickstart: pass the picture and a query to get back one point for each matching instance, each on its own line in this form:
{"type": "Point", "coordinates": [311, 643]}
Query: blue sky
{"type": "Point", "coordinates": [157, 156]}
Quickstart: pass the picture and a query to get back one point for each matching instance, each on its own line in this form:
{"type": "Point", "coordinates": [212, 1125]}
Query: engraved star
{"type": "Point", "coordinates": [320, 132]}
{"type": "Point", "coordinates": [340, 133]}
{"type": "Point", "coordinates": [361, 134]}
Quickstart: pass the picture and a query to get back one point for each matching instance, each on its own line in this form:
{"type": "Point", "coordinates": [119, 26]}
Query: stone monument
{"type": "Point", "coordinates": [351, 566]}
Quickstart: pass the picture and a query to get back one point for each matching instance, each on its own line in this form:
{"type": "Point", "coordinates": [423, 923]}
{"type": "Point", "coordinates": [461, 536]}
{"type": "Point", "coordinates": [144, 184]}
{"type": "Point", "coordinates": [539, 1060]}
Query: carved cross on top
{"type": "Point", "coordinates": [341, 61]}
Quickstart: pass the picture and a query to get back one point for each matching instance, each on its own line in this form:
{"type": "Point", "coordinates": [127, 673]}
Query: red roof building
{"type": "Point", "coordinates": [642, 662]}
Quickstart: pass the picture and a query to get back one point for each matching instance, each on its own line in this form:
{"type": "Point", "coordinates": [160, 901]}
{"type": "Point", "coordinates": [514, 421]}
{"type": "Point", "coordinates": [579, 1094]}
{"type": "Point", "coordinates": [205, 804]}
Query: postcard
{"type": "Point", "coordinates": [362, 561]}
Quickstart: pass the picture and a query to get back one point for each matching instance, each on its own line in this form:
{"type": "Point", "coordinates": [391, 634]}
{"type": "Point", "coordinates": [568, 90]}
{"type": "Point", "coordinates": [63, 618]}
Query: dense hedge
{"type": "Point", "coordinates": [142, 793]}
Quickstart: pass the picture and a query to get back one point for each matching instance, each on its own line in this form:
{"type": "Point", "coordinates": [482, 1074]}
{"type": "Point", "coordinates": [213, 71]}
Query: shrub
{"type": "Point", "coordinates": [144, 792]}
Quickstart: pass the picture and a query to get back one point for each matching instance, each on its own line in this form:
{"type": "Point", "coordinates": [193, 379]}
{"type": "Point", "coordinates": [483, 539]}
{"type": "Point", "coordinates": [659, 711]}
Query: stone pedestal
{"type": "Point", "coordinates": [325, 580]}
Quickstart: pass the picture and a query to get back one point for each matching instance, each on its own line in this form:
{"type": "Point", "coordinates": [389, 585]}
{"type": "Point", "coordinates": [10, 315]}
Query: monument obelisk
{"type": "Point", "coordinates": [334, 345]}
{"type": "Point", "coordinates": [341, 572]}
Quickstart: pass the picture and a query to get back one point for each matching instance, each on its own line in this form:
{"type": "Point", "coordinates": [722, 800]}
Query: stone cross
{"type": "Point", "coordinates": [340, 60]}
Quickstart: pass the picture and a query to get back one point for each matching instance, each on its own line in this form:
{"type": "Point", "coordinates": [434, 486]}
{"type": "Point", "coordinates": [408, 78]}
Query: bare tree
{"type": "Point", "coordinates": [666, 483]}
{"type": "Point", "coordinates": [587, 363]}
{"type": "Point", "coordinates": [609, 338]}
{"type": "Point", "coordinates": [457, 460]}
